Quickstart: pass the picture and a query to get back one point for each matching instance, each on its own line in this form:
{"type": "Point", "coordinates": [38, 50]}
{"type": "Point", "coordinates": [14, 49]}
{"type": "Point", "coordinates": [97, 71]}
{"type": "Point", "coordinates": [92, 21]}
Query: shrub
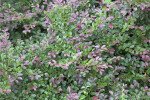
{"type": "Point", "coordinates": [75, 50]}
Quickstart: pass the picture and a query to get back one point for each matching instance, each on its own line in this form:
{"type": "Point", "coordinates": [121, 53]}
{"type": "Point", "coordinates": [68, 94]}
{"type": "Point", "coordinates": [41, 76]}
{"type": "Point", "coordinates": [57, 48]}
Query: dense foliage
{"type": "Point", "coordinates": [75, 50]}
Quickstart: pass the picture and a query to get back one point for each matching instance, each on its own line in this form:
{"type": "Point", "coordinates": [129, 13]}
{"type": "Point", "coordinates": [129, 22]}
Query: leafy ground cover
{"type": "Point", "coordinates": [75, 50]}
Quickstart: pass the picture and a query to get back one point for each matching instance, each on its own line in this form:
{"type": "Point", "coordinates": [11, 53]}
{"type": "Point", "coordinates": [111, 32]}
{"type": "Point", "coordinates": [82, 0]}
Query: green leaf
{"type": "Point", "coordinates": [104, 84]}
{"type": "Point", "coordinates": [33, 95]}
{"type": "Point", "coordinates": [82, 97]}
{"type": "Point", "coordinates": [29, 71]}
{"type": "Point", "coordinates": [106, 77]}
{"type": "Point", "coordinates": [132, 46]}
{"type": "Point", "coordinates": [139, 76]}
{"type": "Point", "coordinates": [107, 1]}
{"type": "Point", "coordinates": [148, 71]}
{"type": "Point", "coordinates": [90, 61]}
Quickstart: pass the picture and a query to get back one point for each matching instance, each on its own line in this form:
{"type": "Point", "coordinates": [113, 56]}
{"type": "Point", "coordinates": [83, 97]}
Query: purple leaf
{"type": "Point", "coordinates": [102, 2]}
{"type": "Point", "coordinates": [142, 7]}
{"type": "Point", "coordinates": [16, 81]}
{"type": "Point", "coordinates": [21, 59]}
{"type": "Point", "coordinates": [110, 66]}
{"type": "Point", "coordinates": [145, 64]}
{"type": "Point", "coordinates": [141, 28]}
{"type": "Point", "coordinates": [1, 72]}
{"type": "Point", "coordinates": [69, 89]}
{"type": "Point", "coordinates": [95, 98]}
{"type": "Point", "coordinates": [97, 46]}
{"type": "Point", "coordinates": [79, 54]}
{"type": "Point", "coordinates": [40, 63]}
{"type": "Point", "coordinates": [103, 48]}
{"type": "Point", "coordinates": [52, 80]}
{"type": "Point", "coordinates": [75, 96]}
{"type": "Point", "coordinates": [33, 88]}
{"type": "Point", "coordinates": [110, 26]}
{"type": "Point", "coordinates": [111, 51]}
{"type": "Point", "coordinates": [145, 51]}
{"type": "Point", "coordinates": [145, 88]}
{"type": "Point", "coordinates": [59, 90]}
{"type": "Point", "coordinates": [20, 78]}
{"type": "Point", "coordinates": [123, 13]}
{"type": "Point", "coordinates": [35, 59]}
{"type": "Point", "coordinates": [26, 63]}
{"type": "Point", "coordinates": [8, 91]}
{"type": "Point", "coordinates": [127, 19]}
{"type": "Point", "coordinates": [109, 18]}
{"type": "Point", "coordinates": [101, 25]}
{"type": "Point", "coordinates": [64, 66]}
{"type": "Point", "coordinates": [57, 81]}
{"type": "Point", "coordinates": [111, 92]}
{"type": "Point", "coordinates": [148, 93]}
{"type": "Point", "coordinates": [31, 77]}
{"type": "Point", "coordinates": [5, 29]}
{"type": "Point", "coordinates": [46, 75]}
{"type": "Point", "coordinates": [20, 74]}
{"type": "Point", "coordinates": [132, 86]}
{"type": "Point", "coordinates": [1, 90]}
{"type": "Point", "coordinates": [37, 77]}
{"type": "Point", "coordinates": [26, 92]}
